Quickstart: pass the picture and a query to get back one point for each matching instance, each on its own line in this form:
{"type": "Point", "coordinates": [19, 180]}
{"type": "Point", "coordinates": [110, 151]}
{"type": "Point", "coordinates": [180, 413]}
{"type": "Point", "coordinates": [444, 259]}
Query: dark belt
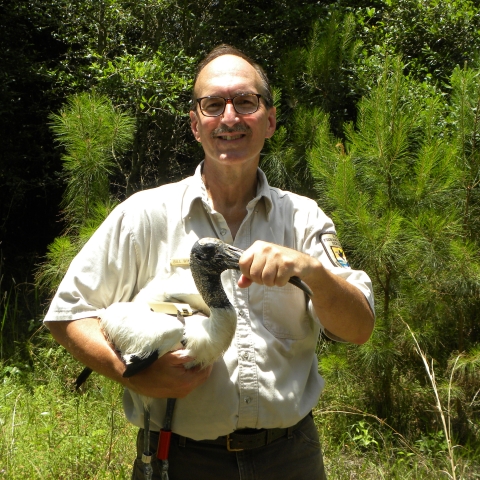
{"type": "Point", "coordinates": [250, 437]}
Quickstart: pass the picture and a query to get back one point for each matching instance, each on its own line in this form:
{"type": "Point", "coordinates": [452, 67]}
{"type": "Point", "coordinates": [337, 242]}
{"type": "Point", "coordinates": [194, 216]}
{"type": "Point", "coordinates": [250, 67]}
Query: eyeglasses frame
{"type": "Point", "coordinates": [229, 100]}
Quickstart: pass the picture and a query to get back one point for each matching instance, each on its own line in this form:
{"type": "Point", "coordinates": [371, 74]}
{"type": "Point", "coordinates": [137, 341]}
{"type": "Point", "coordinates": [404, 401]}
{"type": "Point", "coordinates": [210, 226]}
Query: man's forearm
{"type": "Point", "coordinates": [341, 307]}
{"type": "Point", "coordinates": [84, 339]}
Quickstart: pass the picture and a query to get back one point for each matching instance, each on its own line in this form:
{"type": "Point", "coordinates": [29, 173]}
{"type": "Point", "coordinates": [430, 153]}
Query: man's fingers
{"type": "Point", "coordinates": [267, 264]}
{"type": "Point", "coordinates": [178, 357]}
{"type": "Point", "coordinates": [244, 282]}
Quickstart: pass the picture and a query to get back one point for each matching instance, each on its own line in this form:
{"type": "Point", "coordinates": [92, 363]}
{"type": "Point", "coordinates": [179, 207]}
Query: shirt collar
{"type": "Point", "coordinates": [263, 191]}
{"type": "Point", "coordinates": [196, 190]}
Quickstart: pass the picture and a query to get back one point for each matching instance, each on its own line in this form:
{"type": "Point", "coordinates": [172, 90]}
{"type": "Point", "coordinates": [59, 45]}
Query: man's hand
{"type": "Point", "coordinates": [341, 307]}
{"type": "Point", "coordinates": [273, 265]}
{"type": "Point", "coordinates": [168, 377]}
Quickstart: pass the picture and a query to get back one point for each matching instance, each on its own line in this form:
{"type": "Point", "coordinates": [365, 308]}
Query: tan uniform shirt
{"type": "Point", "coordinates": [269, 376]}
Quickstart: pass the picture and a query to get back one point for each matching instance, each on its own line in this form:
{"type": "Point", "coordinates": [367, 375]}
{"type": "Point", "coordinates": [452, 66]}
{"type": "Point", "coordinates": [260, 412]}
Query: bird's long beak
{"type": "Point", "coordinates": [232, 257]}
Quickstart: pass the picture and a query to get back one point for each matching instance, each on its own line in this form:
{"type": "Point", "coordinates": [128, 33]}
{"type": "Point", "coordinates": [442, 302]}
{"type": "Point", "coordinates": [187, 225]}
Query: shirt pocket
{"type": "Point", "coordinates": [285, 312]}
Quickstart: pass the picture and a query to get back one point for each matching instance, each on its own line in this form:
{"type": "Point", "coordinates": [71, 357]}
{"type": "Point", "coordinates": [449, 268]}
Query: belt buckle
{"type": "Point", "coordinates": [232, 449]}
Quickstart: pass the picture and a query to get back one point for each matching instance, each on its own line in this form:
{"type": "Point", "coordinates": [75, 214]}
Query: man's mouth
{"type": "Point", "coordinates": [230, 137]}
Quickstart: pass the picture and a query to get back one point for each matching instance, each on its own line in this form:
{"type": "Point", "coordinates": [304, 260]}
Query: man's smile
{"type": "Point", "coordinates": [230, 137]}
{"type": "Point", "coordinates": [230, 134]}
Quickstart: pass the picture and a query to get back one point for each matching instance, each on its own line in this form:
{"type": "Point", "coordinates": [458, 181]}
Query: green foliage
{"type": "Point", "coordinates": [285, 160]}
{"type": "Point", "coordinates": [464, 118]}
{"type": "Point", "coordinates": [93, 135]}
{"type": "Point", "coordinates": [316, 80]}
{"type": "Point", "coordinates": [436, 38]}
{"type": "Point", "coordinates": [154, 84]}
{"type": "Point", "coordinates": [361, 435]}
{"type": "Point", "coordinates": [400, 189]}
{"type": "Point", "coordinates": [155, 87]}
{"type": "Point", "coordinates": [59, 256]}
{"type": "Point", "coordinates": [319, 73]}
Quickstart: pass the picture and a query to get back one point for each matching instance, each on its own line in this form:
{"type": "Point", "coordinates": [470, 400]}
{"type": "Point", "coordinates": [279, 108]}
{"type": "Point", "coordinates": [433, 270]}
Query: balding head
{"type": "Point", "coordinates": [264, 86]}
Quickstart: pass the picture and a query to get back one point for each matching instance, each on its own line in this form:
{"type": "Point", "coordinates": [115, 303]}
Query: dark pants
{"type": "Point", "coordinates": [295, 458]}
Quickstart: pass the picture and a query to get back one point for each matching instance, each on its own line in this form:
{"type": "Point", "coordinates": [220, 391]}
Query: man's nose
{"type": "Point", "coordinates": [230, 115]}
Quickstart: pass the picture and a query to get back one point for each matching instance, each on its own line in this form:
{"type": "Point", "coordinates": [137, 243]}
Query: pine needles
{"type": "Point", "coordinates": [93, 134]}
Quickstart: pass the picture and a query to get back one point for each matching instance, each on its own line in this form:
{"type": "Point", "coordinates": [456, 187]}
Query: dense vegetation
{"type": "Point", "coordinates": [378, 120]}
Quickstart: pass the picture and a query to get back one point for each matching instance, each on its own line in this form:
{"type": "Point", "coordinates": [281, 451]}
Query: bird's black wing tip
{"type": "Point", "coordinates": [137, 364]}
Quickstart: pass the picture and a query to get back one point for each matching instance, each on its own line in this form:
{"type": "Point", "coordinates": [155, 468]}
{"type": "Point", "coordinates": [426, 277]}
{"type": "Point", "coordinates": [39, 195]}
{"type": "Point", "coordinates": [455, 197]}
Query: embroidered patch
{"type": "Point", "coordinates": [180, 262]}
{"type": "Point", "coordinates": [334, 250]}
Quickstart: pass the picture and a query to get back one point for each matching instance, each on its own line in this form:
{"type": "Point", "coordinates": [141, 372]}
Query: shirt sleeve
{"type": "Point", "coordinates": [104, 272]}
{"type": "Point", "coordinates": [321, 242]}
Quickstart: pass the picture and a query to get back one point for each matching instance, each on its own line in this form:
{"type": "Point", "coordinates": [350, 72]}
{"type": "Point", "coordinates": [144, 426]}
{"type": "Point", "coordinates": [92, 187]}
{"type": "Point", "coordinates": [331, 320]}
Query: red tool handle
{"type": "Point", "coordinates": [164, 444]}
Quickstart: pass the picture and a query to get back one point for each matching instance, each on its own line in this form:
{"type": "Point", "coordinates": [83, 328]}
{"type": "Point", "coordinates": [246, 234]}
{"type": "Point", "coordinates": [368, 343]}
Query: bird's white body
{"type": "Point", "coordinates": [137, 331]}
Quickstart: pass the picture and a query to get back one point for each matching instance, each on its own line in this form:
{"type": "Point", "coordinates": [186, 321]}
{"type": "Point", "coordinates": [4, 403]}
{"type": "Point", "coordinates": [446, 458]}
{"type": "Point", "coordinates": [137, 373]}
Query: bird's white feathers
{"type": "Point", "coordinates": [209, 337]}
{"type": "Point", "coordinates": [135, 330]}
{"type": "Point", "coordinates": [178, 288]}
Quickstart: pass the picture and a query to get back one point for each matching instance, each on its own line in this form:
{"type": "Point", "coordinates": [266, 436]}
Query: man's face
{"type": "Point", "coordinates": [231, 138]}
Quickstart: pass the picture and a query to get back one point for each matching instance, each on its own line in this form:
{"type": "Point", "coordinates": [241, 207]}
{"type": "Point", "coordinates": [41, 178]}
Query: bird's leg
{"type": "Point", "coordinates": [147, 455]}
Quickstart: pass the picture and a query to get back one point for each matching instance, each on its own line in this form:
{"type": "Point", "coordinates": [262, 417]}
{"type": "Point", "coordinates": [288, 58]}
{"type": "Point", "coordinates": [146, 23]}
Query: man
{"type": "Point", "coordinates": [268, 378]}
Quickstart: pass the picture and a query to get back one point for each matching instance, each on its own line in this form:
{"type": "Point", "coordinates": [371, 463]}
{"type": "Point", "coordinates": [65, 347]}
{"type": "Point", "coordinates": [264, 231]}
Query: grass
{"type": "Point", "coordinates": [373, 452]}
{"type": "Point", "coordinates": [49, 431]}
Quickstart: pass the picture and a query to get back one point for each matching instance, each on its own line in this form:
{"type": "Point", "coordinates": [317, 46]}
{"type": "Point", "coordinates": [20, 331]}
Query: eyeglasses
{"type": "Point", "coordinates": [244, 104]}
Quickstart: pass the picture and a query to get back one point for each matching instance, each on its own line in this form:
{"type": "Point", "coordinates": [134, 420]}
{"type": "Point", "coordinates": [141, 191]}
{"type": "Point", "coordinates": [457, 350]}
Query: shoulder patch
{"type": "Point", "coordinates": [334, 250]}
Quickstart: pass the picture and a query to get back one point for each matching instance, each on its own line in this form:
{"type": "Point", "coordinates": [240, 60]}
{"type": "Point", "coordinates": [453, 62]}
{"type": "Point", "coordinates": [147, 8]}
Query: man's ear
{"type": "Point", "coordinates": [194, 125]}
{"type": "Point", "coordinates": [272, 122]}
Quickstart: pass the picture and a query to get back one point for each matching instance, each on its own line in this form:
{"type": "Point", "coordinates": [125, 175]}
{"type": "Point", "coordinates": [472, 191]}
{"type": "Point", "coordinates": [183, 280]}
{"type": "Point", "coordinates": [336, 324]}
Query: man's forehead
{"type": "Point", "coordinates": [227, 71]}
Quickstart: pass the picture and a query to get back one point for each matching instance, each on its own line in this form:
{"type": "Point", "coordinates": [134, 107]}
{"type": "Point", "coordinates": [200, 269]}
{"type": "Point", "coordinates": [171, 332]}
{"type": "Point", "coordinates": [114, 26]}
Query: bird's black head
{"type": "Point", "coordinates": [213, 256]}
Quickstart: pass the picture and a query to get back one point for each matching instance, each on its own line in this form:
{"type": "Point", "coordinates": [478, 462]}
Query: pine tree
{"type": "Point", "coordinates": [93, 134]}
{"type": "Point", "coordinates": [402, 189]}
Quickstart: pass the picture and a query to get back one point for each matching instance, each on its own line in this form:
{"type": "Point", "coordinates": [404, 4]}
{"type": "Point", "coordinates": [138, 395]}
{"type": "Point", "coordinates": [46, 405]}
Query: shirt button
{"type": "Point", "coordinates": [245, 355]}
{"type": "Point", "coordinates": [223, 231]}
{"type": "Point", "coordinates": [247, 400]}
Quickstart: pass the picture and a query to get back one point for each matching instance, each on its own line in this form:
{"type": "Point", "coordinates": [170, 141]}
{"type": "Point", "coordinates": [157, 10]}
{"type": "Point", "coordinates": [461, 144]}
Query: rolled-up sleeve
{"type": "Point", "coordinates": [318, 225]}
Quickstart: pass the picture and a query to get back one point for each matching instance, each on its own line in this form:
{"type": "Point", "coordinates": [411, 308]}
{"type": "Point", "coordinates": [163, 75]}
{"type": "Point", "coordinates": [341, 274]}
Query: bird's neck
{"type": "Point", "coordinates": [211, 290]}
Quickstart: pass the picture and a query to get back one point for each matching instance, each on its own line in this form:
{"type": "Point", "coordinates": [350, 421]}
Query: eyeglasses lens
{"type": "Point", "coordinates": [243, 104]}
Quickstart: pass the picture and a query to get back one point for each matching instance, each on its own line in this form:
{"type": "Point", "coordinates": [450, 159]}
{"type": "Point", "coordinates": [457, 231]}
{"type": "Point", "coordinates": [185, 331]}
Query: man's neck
{"type": "Point", "coordinates": [230, 192]}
